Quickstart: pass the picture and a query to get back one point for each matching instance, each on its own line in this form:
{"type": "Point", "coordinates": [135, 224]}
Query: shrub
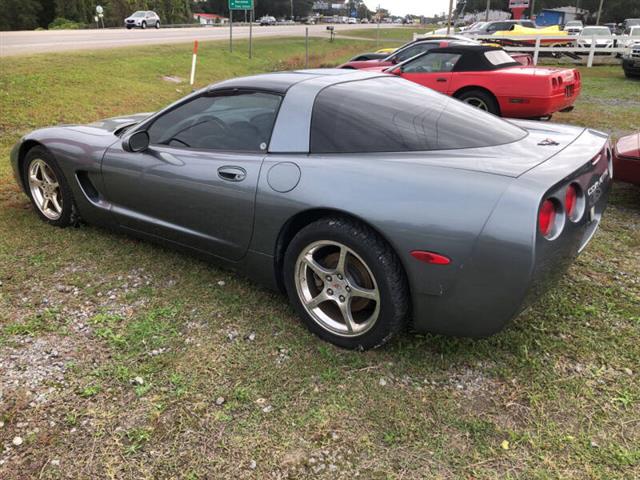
{"type": "Point", "coordinates": [64, 24]}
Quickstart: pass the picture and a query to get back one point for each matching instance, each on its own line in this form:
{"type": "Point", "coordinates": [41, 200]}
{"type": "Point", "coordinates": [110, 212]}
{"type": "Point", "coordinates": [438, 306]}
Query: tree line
{"type": "Point", "coordinates": [31, 14]}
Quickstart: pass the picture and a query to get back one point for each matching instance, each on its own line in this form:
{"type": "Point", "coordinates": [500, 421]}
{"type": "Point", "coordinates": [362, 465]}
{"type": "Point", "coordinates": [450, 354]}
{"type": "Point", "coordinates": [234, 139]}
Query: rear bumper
{"type": "Point", "coordinates": [533, 107]}
{"type": "Point", "coordinates": [512, 264]}
{"type": "Point", "coordinates": [626, 169]}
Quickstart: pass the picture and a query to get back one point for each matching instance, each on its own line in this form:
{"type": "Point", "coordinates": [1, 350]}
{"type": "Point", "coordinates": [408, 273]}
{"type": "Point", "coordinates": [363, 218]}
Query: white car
{"type": "Point", "coordinates": [601, 35]}
{"type": "Point", "coordinates": [142, 19]}
{"type": "Point", "coordinates": [574, 27]}
{"type": "Point", "coordinates": [352, 20]}
{"type": "Point", "coordinates": [631, 37]}
{"type": "Point", "coordinates": [268, 21]}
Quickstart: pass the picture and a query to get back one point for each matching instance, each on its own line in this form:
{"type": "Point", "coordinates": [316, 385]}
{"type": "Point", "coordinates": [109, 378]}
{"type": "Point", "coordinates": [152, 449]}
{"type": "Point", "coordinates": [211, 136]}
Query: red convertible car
{"type": "Point", "coordinates": [626, 159]}
{"type": "Point", "coordinates": [488, 78]}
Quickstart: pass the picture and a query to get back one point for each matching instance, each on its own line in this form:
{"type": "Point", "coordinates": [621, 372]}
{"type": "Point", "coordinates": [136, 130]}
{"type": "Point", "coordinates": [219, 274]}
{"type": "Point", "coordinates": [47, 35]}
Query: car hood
{"type": "Point", "coordinates": [110, 125]}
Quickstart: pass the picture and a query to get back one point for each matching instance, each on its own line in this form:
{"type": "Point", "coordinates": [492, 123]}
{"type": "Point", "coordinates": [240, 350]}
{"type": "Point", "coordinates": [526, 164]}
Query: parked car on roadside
{"type": "Point", "coordinates": [630, 37]}
{"type": "Point", "coordinates": [490, 79]}
{"type": "Point", "coordinates": [352, 21]}
{"type": "Point", "coordinates": [631, 61]}
{"type": "Point", "coordinates": [626, 159]}
{"type": "Point", "coordinates": [602, 36]}
{"type": "Point", "coordinates": [268, 20]}
{"type": "Point", "coordinates": [630, 22]}
{"type": "Point", "coordinates": [573, 27]}
{"type": "Point", "coordinates": [142, 19]}
{"type": "Point", "coordinates": [374, 203]}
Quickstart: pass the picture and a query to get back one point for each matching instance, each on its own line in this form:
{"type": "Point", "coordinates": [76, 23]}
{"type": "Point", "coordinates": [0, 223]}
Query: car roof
{"type": "Point", "coordinates": [281, 82]}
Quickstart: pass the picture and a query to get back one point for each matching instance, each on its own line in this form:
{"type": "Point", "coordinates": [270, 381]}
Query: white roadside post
{"type": "Point", "coordinates": [193, 63]}
{"type": "Point", "coordinates": [592, 52]}
{"type": "Point", "coordinates": [536, 52]}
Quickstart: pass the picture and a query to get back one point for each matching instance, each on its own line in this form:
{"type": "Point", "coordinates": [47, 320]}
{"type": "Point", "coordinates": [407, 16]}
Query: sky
{"type": "Point", "coordinates": [416, 7]}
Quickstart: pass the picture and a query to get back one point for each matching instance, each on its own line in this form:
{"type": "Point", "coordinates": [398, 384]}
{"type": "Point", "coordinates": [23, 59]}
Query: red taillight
{"type": "Point", "coordinates": [546, 217]}
{"type": "Point", "coordinates": [430, 257]}
{"type": "Point", "coordinates": [570, 200]}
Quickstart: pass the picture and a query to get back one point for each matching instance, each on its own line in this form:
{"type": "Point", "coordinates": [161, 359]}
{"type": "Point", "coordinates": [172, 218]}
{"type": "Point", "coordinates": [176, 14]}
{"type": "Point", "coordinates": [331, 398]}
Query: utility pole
{"type": "Point", "coordinates": [291, 9]}
{"type": "Point", "coordinates": [449, 19]}
{"type": "Point", "coordinates": [532, 9]}
{"type": "Point", "coordinates": [486, 15]}
{"type": "Point", "coordinates": [599, 12]}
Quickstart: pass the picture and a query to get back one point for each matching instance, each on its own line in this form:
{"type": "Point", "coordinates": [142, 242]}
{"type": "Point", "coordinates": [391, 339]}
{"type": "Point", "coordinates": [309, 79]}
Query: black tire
{"type": "Point", "coordinates": [157, 25]}
{"type": "Point", "coordinates": [128, 27]}
{"type": "Point", "coordinates": [476, 96]}
{"type": "Point", "coordinates": [67, 216]}
{"type": "Point", "coordinates": [379, 258]}
{"type": "Point", "coordinates": [143, 25]}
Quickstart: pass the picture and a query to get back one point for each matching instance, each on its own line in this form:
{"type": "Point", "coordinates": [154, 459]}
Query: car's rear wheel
{"type": "Point", "coordinates": [143, 25]}
{"type": "Point", "coordinates": [346, 283]}
{"type": "Point", "coordinates": [157, 24]}
{"type": "Point", "coordinates": [480, 99]}
{"type": "Point", "coordinates": [47, 188]}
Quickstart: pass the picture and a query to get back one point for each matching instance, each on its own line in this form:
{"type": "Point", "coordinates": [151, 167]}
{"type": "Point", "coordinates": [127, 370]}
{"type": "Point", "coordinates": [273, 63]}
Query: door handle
{"type": "Point", "coordinates": [232, 174]}
{"type": "Point", "coordinates": [442, 80]}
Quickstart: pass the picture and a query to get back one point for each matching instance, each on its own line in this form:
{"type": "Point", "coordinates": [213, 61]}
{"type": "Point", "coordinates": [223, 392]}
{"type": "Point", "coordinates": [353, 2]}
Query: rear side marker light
{"type": "Point", "coordinates": [430, 257]}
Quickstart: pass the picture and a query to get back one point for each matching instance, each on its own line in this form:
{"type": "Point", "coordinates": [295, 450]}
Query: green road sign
{"type": "Point", "coordinates": [240, 4]}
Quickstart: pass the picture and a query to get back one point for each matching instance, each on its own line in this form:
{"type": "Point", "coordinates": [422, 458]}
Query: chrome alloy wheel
{"type": "Point", "coordinates": [337, 288]}
{"type": "Point", "coordinates": [477, 102]}
{"type": "Point", "coordinates": [45, 189]}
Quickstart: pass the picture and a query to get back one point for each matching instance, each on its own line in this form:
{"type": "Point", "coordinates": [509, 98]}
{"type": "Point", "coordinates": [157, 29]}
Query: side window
{"type": "Point", "coordinates": [240, 122]}
{"type": "Point", "coordinates": [432, 62]}
{"type": "Point", "coordinates": [413, 51]}
{"type": "Point", "coordinates": [371, 116]}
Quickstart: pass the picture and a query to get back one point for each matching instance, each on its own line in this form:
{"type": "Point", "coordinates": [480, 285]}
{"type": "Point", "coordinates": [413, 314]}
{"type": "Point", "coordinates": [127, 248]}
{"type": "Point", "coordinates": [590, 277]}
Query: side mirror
{"type": "Point", "coordinates": [138, 142]}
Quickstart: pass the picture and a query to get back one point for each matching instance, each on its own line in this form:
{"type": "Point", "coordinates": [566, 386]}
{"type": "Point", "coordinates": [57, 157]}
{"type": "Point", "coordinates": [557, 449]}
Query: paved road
{"type": "Point", "coordinates": [29, 42]}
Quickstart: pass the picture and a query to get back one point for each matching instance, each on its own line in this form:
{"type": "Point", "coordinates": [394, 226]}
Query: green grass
{"type": "Point", "coordinates": [394, 36]}
{"type": "Point", "coordinates": [401, 34]}
{"type": "Point", "coordinates": [144, 332]}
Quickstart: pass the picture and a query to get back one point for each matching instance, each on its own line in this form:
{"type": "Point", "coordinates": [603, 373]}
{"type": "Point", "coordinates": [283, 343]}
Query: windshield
{"type": "Point", "coordinates": [635, 32]}
{"type": "Point", "coordinates": [596, 32]}
{"type": "Point", "coordinates": [138, 14]}
{"type": "Point", "coordinates": [573, 24]}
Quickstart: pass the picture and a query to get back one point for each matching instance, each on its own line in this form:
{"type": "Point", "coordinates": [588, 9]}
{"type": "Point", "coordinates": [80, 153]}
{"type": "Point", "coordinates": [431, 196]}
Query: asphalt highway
{"type": "Point", "coordinates": [44, 41]}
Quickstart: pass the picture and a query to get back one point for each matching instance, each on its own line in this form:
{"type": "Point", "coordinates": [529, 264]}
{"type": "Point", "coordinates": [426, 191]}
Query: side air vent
{"type": "Point", "coordinates": [88, 187]}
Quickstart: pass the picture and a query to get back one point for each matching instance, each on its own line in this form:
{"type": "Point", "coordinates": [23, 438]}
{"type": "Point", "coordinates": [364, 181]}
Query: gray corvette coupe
{"type": "Point", "coordinates": [374, 203]}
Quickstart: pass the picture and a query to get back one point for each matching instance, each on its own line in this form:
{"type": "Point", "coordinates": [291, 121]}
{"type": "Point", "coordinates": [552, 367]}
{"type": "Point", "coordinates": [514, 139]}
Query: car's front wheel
{"type": "Point", "coordinates": [47, 188]}
{"type": "Point", "coordinates": [346, 283]}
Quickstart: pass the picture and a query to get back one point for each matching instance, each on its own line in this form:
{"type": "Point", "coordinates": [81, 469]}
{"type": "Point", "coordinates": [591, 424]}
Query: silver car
{"type": "Point", "coordinates": [142, 19]}
{"type": "Point", "coordinates": [376, 204]}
